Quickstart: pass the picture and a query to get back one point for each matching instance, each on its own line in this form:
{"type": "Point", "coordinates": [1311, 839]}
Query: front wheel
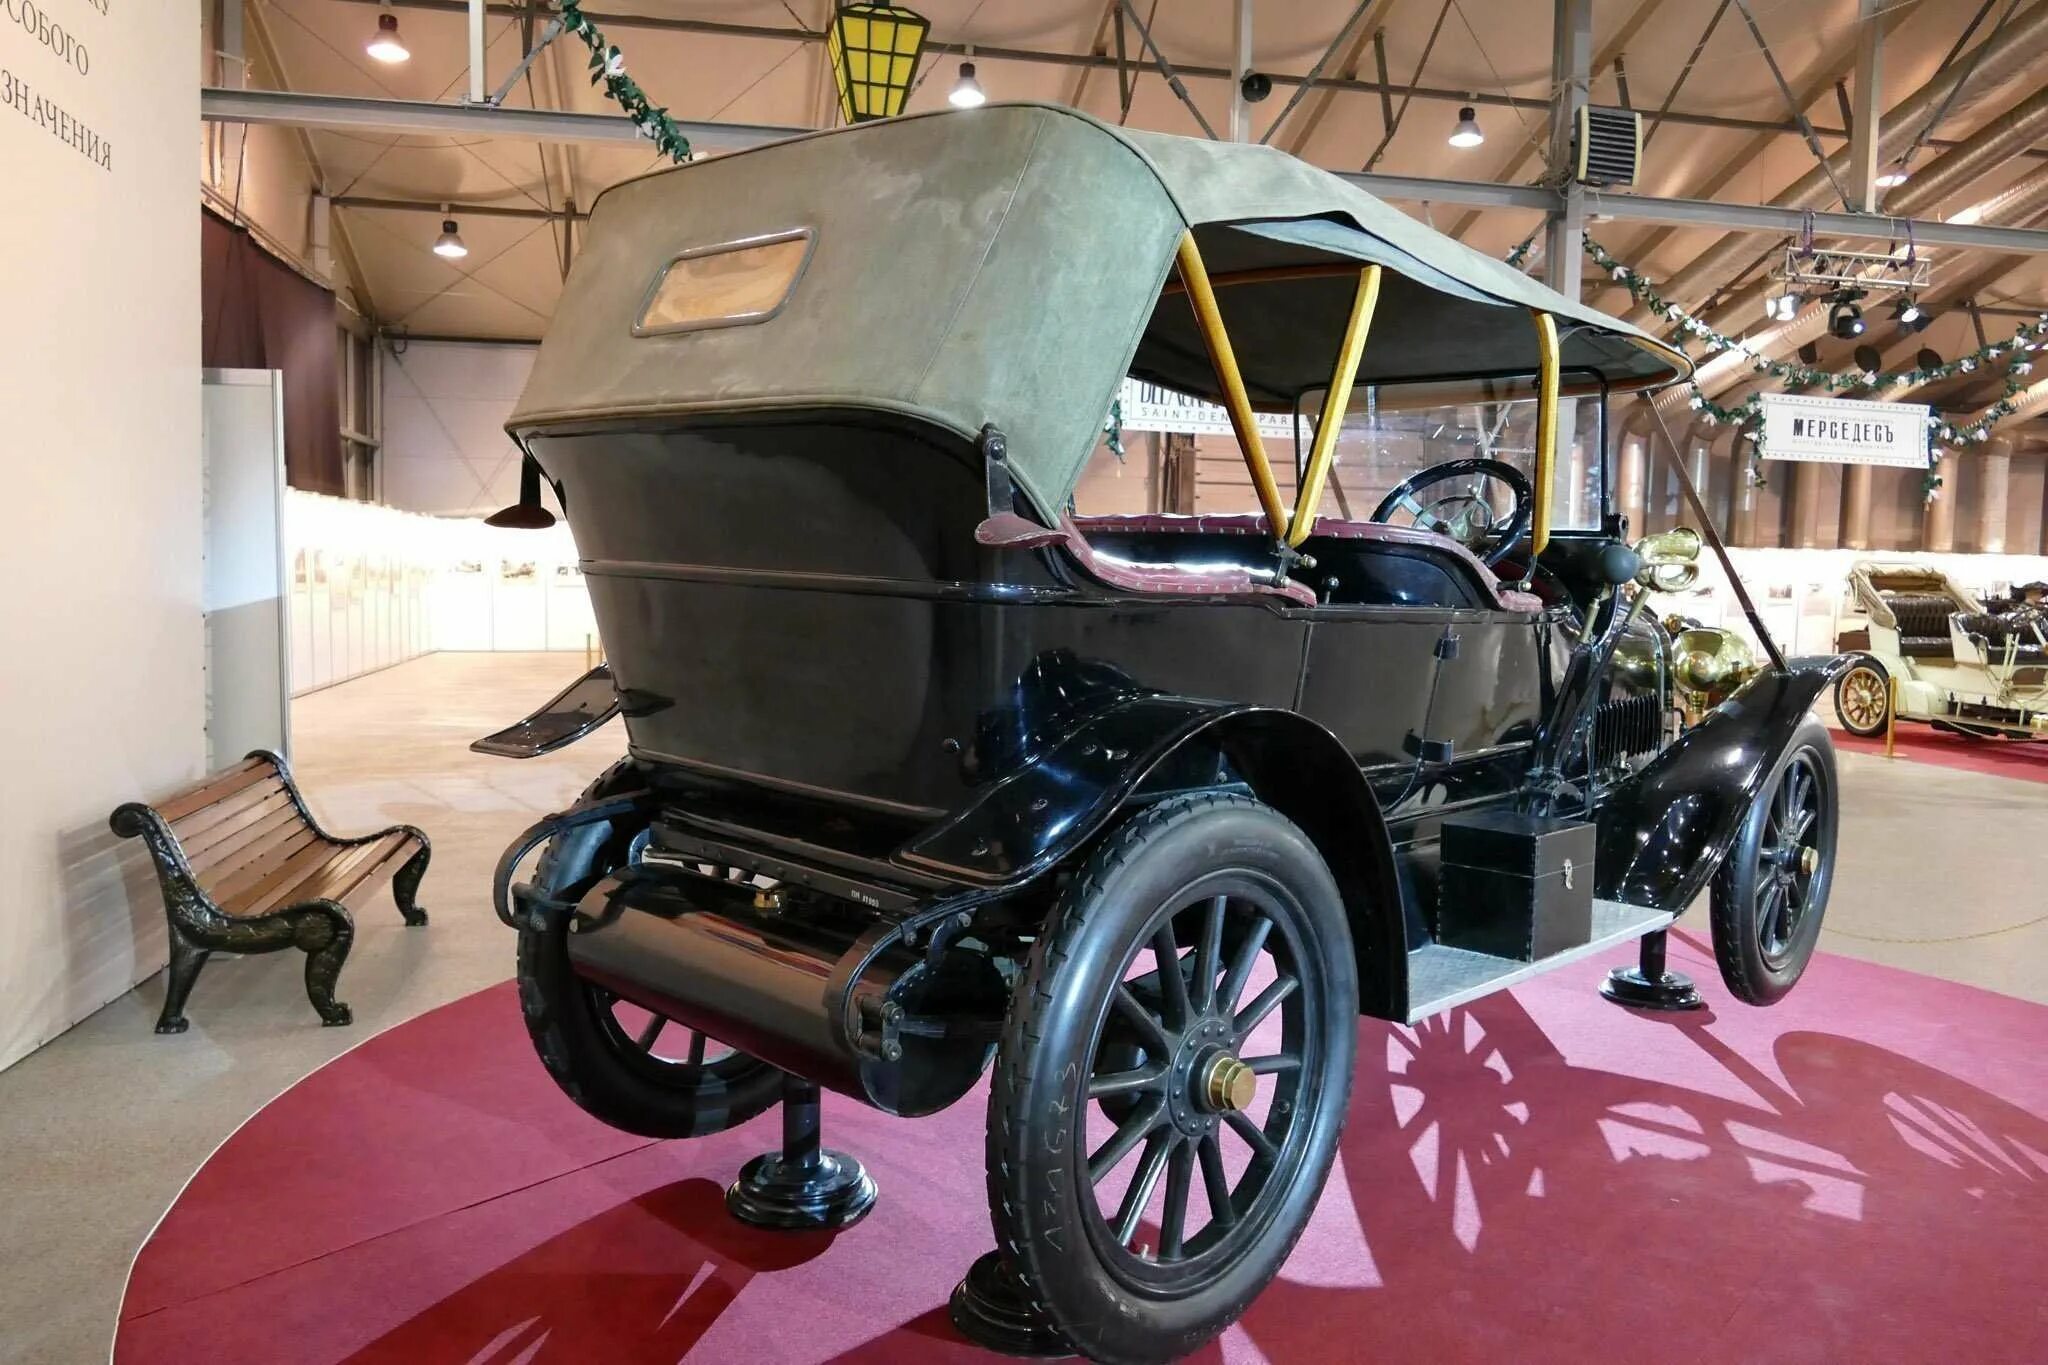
{"type": "Point", "coordinates": [1173, 1077]}
{"type": "Point", "coordinates": [1863, 700]}
{"type": "Point", "coordinates": [1769, 896]}
{"type": "Point", "coordinates": [633, 1070]}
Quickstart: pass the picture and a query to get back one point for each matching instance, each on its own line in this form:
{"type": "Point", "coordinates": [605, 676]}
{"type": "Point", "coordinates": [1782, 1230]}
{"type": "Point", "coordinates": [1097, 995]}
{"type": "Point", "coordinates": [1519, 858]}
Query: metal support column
{"type": "Point", "coordinates": [1869, 106]}
{"type": "Point", "coordinates": [1571, 73]}
{"type": "Point", "coordinates": [1240, 67]}
{"type": "Point", "coordinates": [1571, 67]}
{"type": "Point", "coordinates": [478, 93]}
{"type": "Point", "coordinates": [1994, 495]}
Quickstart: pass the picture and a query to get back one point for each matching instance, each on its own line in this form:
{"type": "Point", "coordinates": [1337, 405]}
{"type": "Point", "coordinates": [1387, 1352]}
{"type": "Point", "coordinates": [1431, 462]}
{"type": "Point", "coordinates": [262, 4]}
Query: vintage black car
{"type": "Point", "coordinates": [927, 772]}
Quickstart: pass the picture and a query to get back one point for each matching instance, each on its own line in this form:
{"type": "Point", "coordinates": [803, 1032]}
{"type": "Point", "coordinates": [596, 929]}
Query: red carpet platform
{"type": "Point", "coordinates": [1860, 1174]}
{"type": "Point", "coordinates": [2024, 759]}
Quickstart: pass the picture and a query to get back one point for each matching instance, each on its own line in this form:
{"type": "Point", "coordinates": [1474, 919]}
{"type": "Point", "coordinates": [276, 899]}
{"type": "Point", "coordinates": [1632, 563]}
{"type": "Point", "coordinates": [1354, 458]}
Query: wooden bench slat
{"type": "Point", "coordinates": [375, 875]}
{"type": "Point", "coordinates": [224, 884]}
{"type": "Point", "coordinates": [328, 878]}
{"type": "Point", "coordinates": [212, 789]}
{"type": "Point", "coordinates": [202, 822]}
{"type": "Point", "coordinates": [249, 814]}
{"type": "Point", "coordinates": [230, 851]}
{"type": "Point", "coordinates": [247, 895]}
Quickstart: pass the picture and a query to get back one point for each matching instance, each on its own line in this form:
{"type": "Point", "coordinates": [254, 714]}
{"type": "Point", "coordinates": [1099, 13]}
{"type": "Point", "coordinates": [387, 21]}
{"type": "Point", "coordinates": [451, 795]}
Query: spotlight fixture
{"type": "Point", "coordinates": [1255, 86]}
{"type": "Point", "coordinates": [1891, 177]}
{"type": "Point", "coordinates": [1868, 358]}
{"type": "Point", "coordinates": [1467, 133]}
{"type": "Point", "coordinates": [449, 245]}
{"type": "Point", "coordinates": [1845, 320]}
{"type": "Point", "coordinates": [1927, 358]}
{"type": "Point", "coordinates": [385, 44]}
{"type": "Point", "coordinates": [1907, 312]}
{"type": "Point", "coordinates": [967, 92]}
{"type": "Point", "coordinates": [1782, 307]}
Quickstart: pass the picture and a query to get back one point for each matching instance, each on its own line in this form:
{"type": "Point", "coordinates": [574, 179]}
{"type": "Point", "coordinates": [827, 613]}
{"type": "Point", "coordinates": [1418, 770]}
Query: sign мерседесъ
{"type": "Point", "coordinates": [1800, 426]}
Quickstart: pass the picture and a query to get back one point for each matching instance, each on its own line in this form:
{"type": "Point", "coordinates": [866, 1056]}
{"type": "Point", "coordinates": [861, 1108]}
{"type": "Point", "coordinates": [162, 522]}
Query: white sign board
{"type": "Point", "coordinates": [1148, 407]}
{"type": "Point", "coordinates": [1800, 426]}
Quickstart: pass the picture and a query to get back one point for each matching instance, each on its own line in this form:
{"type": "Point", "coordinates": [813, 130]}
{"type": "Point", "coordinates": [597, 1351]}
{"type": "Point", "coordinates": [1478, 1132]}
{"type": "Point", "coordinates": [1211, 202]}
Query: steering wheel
{"type": "Point", "coordinates": [1464, 514]}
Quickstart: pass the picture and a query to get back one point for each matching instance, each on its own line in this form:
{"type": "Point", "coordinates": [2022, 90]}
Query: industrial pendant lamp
{"type": "Point", "coordinates": [874, 51]}
{"type": "Point", "coordinates": [967, 92]}
{"type": "Point", "coordinates": [1782, 307]}
{"type": "Point", "coordinates": [1892, 177]}
{"type": "Point", "coordinates": [449, 245]}
{"type": "Point", "coordinates": [385, 45]}
{"type": "Point", "coordinates": [1467, 133]}
{"type": "Point", "coordinates": [527, 514]}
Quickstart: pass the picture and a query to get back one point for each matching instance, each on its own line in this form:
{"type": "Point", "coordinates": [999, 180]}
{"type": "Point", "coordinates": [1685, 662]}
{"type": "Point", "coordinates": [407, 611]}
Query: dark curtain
{"type": "Point", "coordinates": [261, 314]}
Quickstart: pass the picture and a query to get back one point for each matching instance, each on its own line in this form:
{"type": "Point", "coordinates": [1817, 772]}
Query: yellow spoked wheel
{"type": "Point", "coordinates": [1863, 700]}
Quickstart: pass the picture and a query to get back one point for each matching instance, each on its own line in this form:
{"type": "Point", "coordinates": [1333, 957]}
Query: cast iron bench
{"type": "Point", "coordinates": [246, 869]}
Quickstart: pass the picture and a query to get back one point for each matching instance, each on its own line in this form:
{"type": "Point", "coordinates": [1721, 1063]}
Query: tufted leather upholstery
{"type": "Point", "coordinates": [1995, 630]}
{"type": "Point", "coordinates": [1923, 624]}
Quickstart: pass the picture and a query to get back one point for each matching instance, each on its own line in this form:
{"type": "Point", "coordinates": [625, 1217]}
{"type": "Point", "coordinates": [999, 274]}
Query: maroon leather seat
{"type": "Point", "coordinates": [1335, 528]}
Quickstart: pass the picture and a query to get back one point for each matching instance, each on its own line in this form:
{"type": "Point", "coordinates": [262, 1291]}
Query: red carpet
{"type": "Point", "coordinates": [2027, 760]}
{"type": "Point", "coordinates": [1859, 1174]}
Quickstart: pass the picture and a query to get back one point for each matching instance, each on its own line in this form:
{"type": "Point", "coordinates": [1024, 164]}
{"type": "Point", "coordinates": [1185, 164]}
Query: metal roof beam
{"type": "Point", "coordinates": [448, 120]}
{"type": "Point", "coordinates": [985, 52]}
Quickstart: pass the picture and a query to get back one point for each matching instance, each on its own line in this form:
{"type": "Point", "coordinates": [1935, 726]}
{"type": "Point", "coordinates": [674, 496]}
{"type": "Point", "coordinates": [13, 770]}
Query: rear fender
{"type": "Point", "coordinates": [1046, 811]}
{"type": "Point", "coordinates": [1665, 831]}
{"type": "Point", "coordinates": [568, 716]}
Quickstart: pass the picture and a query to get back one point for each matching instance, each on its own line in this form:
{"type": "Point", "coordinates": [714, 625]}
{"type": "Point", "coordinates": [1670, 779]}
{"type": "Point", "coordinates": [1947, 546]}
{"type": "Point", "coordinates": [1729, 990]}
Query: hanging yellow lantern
{"type": "Point", "coordinates": [874, 51]}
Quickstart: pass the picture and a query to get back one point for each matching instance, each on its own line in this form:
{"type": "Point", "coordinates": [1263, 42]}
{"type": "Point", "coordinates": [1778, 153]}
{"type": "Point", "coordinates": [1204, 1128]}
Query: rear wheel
{"type": "Point", "coordinates": [1173, 1077]}
{"type": "Point", "coordinates": [632, 1069]}
{"type": "Point", "coordinates": [1768, 898]}
{"type": "Point", "coordinates": [1863, 700]}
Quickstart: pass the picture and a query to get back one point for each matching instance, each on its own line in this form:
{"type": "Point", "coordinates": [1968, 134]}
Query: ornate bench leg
{"type": "Point", "coordinates": [405, 885]}
{"type": "Point", "coordinates": [326, 933]}
{"type": "Point", "coordinates": [186, 960]}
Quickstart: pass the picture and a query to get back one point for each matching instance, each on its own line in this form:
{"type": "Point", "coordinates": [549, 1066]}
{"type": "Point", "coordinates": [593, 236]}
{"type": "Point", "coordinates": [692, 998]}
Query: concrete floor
{"type": "Point", "coordinates": [1938, 873]}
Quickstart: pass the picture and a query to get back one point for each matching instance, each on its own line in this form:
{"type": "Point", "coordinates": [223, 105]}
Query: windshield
{"type": "Point", "coordinates": [1180, 456]}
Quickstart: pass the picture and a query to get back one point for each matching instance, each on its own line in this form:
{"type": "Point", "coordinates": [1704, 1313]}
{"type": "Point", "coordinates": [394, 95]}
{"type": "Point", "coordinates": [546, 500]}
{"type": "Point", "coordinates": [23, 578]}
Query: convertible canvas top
{"type": "Point", "coordinates": [1005, 265]}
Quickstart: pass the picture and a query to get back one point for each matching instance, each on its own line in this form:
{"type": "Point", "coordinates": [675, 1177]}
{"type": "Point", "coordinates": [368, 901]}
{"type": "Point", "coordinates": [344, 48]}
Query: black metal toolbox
{"type": "Point", "coordinates": [1517, 886]}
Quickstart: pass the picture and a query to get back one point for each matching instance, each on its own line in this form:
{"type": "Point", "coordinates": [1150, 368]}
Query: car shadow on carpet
{"type": "Point", "coordinates": [1511, 1206]}
{"type": "Point", "coordinates": [553, 1304]}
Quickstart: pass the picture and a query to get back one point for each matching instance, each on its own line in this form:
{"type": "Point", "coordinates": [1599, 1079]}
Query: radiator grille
{"type": "Point", "coordinates": [1625, 727]}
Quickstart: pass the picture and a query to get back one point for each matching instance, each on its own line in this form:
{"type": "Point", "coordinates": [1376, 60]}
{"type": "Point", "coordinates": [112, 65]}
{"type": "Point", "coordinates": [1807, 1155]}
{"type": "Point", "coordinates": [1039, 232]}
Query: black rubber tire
{"type": "Point", "coordinates": [1037, 1179]}
{"type": "Point", "coordinates": [569, 1021]}
{"type": "Point", "coordinates": [1861, 670]}
{"type": "Point", "coordinates": [1752, 975]}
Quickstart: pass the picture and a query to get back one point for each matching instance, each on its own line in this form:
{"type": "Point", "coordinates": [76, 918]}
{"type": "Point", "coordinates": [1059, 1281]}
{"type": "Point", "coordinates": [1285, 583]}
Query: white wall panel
{"type": "Point", "coordinates": [101, 643]}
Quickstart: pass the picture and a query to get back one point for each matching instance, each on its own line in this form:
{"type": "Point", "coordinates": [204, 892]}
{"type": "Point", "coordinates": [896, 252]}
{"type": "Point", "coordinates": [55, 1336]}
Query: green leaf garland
{"type": "Point", "coordinates": [608, 66]}
{"type": "Point", "coordinates": [1689, 330]}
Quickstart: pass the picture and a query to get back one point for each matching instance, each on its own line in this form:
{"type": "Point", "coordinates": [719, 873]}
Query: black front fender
{"type": "Point", "coordinates": [1045, 811]}
{"type": "Point", "coordinates": [1664, 832]}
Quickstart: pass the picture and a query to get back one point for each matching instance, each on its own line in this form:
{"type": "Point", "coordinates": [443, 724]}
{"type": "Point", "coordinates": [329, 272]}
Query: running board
{"type": "Point", "coordinates": [1440, 977]}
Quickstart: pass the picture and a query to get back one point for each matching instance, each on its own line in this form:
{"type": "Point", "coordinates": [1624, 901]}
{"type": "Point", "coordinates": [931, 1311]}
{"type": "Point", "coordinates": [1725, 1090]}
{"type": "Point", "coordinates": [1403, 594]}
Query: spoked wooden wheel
{"type": "Point", "coordinates": [1863, 700]}
{"type": "Point", "coordinates": [1769, 896]}
{"type": "Point", "coordinates": [634, 1070]}
{"type": "Point", "coordinates": [1171, 1083]}
{"type": "Point", "coordinates": [1179, 1080]}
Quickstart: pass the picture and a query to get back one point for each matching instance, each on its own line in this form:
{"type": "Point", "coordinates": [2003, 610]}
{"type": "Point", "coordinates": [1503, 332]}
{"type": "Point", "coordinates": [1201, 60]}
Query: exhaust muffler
{"type": "Point", "coordinates": [809, 992]}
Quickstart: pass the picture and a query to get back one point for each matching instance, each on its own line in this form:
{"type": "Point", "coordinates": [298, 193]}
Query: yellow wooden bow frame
{"type": "Point", "coordinates": [1201, 292]}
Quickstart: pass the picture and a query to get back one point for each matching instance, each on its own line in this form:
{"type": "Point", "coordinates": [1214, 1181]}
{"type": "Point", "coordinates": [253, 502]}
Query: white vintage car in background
{"type": "Point", "coordinates": [1968, 667]}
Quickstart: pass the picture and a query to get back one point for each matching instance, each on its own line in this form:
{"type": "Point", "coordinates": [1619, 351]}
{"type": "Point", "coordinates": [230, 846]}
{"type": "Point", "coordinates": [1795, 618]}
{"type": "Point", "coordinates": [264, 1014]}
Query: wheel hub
{"type": "Point", "coordinates": [1228, 1085]}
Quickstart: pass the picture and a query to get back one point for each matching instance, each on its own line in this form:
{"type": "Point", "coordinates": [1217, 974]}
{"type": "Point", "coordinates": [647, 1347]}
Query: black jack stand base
{"type": "Point", "coordinates": [804, 1185]}
{"type": "Point", "coordinates": [991, 1311]}
{"type": "Point", "coordinates": [1648, 986]}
